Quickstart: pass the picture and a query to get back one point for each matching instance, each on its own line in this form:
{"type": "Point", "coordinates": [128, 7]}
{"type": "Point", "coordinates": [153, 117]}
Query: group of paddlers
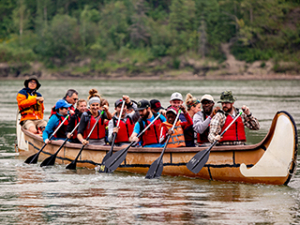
{"type": "Point", "coordinates": [90, 121]}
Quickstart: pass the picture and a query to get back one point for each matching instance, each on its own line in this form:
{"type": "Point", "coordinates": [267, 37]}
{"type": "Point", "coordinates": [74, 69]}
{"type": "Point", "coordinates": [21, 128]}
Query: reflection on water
{"type": "Point", "coordinates": [33, 195]}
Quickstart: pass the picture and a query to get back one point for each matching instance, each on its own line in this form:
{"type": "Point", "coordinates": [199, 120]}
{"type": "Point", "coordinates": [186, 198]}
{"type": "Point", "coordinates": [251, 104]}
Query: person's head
{"type": "Point", "coordinates": [94, 103]}
{"type": "Point", "coordinates": [32, 83]}
{"type": "Point", "coordinates": [155, 105]}
{"type": "Point", "coordinates": [62, 107]}
{"type": "Point", "coordinates": [81, 105]}
{"type": "Point", "coordinates": [227, 100]}
{"type": "Point", "coordinates": [144, 108]}
{"type": "Point", "coordinates": [208, 103]}
{"type": "Point", "coordinates": [176, 100]}
{"type": "Point", "coordinates": [118, 107]}
{"type": "Point", "coordinates": [192, 103]}
{"type": "Point", "coordinates": [94, 93]}
{"type": "Point", "coordinates": [171, 114]}
{"type": "Point", "coordinates": [71, 96]}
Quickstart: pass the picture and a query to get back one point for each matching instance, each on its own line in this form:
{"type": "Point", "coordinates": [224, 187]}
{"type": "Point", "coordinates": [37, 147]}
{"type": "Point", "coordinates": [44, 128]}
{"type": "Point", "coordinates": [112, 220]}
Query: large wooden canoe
{"type": "Point", "coordinates": [272, 161]}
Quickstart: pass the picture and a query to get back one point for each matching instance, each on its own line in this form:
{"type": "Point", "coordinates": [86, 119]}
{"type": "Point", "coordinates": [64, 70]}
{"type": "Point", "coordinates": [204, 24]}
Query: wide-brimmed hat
{"type": "Point", "coordinates": [143, 104]}
{"type": "Point", "coordinates": [155, 105]}
{"type": "Point", "coordinates": [38, 85]}
{"type": "Point", "coordinates": [227, 96]}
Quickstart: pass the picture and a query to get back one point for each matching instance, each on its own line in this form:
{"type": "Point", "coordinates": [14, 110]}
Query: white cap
{"type": "Point", "coordinates": [207, 97]}
{"type": "Point", "coordinates": [176, 96]}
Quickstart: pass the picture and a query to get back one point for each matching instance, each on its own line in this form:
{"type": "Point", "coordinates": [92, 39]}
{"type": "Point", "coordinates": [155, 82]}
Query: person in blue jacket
{"type": "Point", "coordinates": [55, 121]}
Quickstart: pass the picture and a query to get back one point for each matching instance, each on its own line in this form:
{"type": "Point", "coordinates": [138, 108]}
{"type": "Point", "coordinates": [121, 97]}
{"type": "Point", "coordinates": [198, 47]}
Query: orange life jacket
{"type": "Point", "coordinates": [236, 132]}
{"type": "Point", "coordinates": [177, 138]}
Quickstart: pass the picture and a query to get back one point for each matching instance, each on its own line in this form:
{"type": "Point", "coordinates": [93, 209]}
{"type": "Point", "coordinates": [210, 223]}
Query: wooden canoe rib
{"type": "Point", "coordinates": [272, 161]}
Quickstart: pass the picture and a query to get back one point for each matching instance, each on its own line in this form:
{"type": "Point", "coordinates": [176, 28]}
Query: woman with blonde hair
{"type": "Point", "coordinates": [89, 118]}
{"type": "Point", "coordinates": [193, 106]}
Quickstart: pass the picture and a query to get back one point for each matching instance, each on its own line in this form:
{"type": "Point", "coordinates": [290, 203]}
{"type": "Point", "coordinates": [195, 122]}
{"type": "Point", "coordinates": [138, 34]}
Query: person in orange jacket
{"type": "Point", "coordinates": [31, 106]}
{"type": "Point", "coordinates": [177, 135]}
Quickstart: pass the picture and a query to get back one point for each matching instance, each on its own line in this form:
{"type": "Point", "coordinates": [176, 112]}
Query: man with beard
{"type": "Point", "coordinates": [151, 136]}
{"type": "Point", "coordinates": [201, 120]}
{"type": "Point", "coordinates": [235, 135]}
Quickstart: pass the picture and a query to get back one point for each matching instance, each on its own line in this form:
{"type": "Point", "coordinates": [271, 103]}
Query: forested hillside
{"type": "Point", "coordinates": [149, 36]}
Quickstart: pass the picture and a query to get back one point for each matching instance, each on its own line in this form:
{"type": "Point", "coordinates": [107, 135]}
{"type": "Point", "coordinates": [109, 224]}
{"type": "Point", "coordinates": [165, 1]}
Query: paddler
{"type": "Point", "coordinates": [177, 135]}
{"type": "Point", "coordinates": [89, 118]}
{"type": "Point", "coordinates": [71, 97]}
{"type": "Point", "coordinates": [55, 120]}
{"type": "Point", "coordinates": [31, 106]}
{"type": "Point", "coordinates": [81, 107]}
{"type": "Point", "coordinates": [127, 122]}
{"type": "Point", "coordinates": [235, 135]}
{"type": "Point", "coordinates": [151, 136]}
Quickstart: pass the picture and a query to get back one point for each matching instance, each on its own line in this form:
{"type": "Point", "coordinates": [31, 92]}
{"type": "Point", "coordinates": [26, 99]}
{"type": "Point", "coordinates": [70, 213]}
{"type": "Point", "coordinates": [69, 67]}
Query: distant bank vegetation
{"type": "Point", "coordinates": [150, 36]}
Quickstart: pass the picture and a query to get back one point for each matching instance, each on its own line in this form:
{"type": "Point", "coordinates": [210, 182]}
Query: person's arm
{"type": "Point", "coordinates": [199, 125]}
{"type": "Point", "coordinates": [188, 122]}
{"type": "Point", "coordinates": [216, 125]}
{"type": "Point", "coordinates": [163, 134]}
{"type": "Point", "coordinates": [24, 102]}
{"type": "Point", "coordinates": [110, 130]}
{"type": "Point", "coordinates": [249, 120]}
{"type": "Point", "coordinates": [107, 114]}
{"type": "Point", "coordinates": [52, 123]}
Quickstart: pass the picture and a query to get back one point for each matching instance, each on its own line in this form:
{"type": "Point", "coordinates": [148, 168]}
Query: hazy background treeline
{"type": "Point", "coordinates": [106, 35]}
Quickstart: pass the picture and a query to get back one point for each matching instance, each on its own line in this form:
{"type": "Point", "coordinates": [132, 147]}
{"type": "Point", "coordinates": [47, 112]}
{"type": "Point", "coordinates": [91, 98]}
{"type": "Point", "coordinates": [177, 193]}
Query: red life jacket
{"type": "Point", "coordinates": [61, 133]}
{"type": "Point", "coordinates": [125, 130]}
{"type": "Point", "coordinates": [236, 132]}
{"type": "Point", "coordinates": [98, 132]}
{"type": "Point", "coordinates": [151, 135]}
{"type": "Point", "coordinates": [203, 138]}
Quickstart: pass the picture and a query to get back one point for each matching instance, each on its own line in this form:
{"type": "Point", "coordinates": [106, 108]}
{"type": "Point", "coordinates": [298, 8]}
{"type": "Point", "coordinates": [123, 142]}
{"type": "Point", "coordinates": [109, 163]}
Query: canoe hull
{"type": "Point", "coordinates": [225, 163]}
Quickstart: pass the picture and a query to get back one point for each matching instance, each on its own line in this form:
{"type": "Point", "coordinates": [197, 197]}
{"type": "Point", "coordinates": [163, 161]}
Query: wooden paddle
{"type": "Point", "coordinates": [34, 158]}
{"type": "Point", "coordinates": [113, 141]}
{"type": "Point", "coordinates": [51, 160]}
{"type": "Point", "coordinates": [199, 160]}
{"type": "Point", "coordinates": [157, 166]}
{"type": "Point", "coordinates": [72, 165]}
{"type": "Point", "coordinates": [116, 159]}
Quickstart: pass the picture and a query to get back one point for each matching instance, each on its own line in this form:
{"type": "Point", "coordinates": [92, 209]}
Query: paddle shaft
{"type": "Point", "coordinates": [114, 136]}
{"type": "Point", "coordinates": [163, 151]}
{"type": "Point", "coordinates": [126, 149]}
{"type": "Point", "coordinates": [51, 136]}
{"type": "Point", "coordinates": [88, 137]}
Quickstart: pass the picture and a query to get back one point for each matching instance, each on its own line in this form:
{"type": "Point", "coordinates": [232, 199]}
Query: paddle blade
{"type": "Point", "coordinates": [198, 161]}
{"type": "Point", "coordinates": [116, 159]}
{"type": "Point", "coordinates": [104, 169]}
{"type": "Point", "coordinates": [71, 166]}
{"type": "Point", "coordinates": [32, 159]}
{"type": "Point", "coordinates": [155, 169]}
{"type": "Point", "coordinates": [50, 161]}
{"type": "Point", "coordinates": [107, 156]}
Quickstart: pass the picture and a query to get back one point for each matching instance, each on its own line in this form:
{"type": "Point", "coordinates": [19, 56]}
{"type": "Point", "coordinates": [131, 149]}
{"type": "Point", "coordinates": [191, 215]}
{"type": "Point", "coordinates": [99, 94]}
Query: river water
{"type": "Point", "coordinates": [33, 195]}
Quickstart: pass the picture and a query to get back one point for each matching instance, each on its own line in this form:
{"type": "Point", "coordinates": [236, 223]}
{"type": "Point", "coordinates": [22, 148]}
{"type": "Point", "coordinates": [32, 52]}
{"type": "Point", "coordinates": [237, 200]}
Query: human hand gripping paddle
{"type": "Point", "coordinates": [72, 165]}
{"type": "Point", "coordinates": [157, 166]}
{"type": "Point", "coordinates": [116, 159]}
{"type": "Point", "coordinates": [103, 169]}
{"type": "Point", "coordinates": [51, 160]}
{"type": "Point", "coordinates": [34, 158]}
{"type": "Point", "coordinates": [199, 160]}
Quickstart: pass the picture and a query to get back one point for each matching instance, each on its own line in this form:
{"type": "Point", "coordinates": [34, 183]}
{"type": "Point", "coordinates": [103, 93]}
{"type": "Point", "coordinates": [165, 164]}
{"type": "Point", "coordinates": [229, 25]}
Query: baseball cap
{"type": "Point", "coordinates": [172, 109]}
{"type": "Point", "coordinates": [118, 102]}
{"type": "Point", "coordinates": [176, 96]}
{"type": "Point", "coordinates": [155, 105]}
{"type": "Point", "coordinates": [207, 97]}
{"type": "Point", "coordinates": [143, 104]}
{"type": "Point", "coordinates": [62, 103]}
